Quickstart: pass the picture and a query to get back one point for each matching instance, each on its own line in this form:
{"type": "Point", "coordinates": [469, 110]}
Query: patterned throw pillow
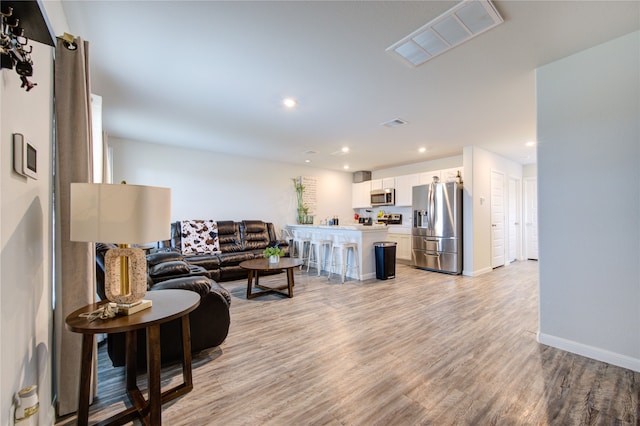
{"type": "Point", "coordinates": [200, 237]}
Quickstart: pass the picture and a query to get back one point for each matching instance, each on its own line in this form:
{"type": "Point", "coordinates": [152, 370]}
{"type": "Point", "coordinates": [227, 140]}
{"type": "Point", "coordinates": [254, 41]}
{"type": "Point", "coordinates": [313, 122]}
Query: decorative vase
{"type": "Point", "coordinates": [274, 258]}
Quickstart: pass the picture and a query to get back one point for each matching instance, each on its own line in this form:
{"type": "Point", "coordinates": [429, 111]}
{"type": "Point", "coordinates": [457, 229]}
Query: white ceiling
{"type": "Point", "coordinates": [212, 75]}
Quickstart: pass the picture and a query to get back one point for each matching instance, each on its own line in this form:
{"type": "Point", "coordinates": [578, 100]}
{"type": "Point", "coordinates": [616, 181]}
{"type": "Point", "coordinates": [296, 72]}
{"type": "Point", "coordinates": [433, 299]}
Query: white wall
{"type": "Point", "coordinates": [530, 170]}
{"type": "Point", "coordinates": [208, 185]}
{"type": "Point", "coordinates": [589, 202]}
{"type": "Point", "coordinates": [26, 240]}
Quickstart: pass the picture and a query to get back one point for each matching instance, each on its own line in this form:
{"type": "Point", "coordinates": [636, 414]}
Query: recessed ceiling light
{"type": "Point", "coordinates": [345, 149]}
{"type": "Point", "coordinates": [422, 150]}
{"type": "Point", "coordinates": [289, 102]}
{"type": "Point", "coordinates": [307, 161]}
{"type": "Point", "coordinates": [530, 143]}
{"type": "Point", "coordinates": [346, 167]}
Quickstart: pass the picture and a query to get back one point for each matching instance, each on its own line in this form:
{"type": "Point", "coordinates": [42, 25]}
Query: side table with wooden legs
{"type": "Point", "coordinates": [167, 306]}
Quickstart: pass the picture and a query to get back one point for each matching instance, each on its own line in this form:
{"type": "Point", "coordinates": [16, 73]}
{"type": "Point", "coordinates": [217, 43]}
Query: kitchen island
{"type": "Point", "coordinates": [365, 236]}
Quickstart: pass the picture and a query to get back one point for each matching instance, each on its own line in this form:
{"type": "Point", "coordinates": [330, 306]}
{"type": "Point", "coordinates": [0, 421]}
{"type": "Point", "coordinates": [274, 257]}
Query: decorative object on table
{"type": "Point", "coordinates": [273, 254]}
{"type": "Point", "coordinates": [122, 214]}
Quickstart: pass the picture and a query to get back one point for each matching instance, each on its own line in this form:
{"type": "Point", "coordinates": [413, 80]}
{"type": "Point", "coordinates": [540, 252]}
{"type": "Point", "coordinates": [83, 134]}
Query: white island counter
{"type": "Point", "coordinates": [365, 236]}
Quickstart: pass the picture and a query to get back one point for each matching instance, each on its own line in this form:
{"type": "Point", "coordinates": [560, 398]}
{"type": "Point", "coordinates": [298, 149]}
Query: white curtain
{"type": "Point", "coordinates": [75, 261]}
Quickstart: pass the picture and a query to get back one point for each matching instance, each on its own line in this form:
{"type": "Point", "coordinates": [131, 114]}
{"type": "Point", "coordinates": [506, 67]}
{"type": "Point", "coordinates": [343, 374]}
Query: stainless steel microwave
{"type": "Point", "coordinates": [383, 197]}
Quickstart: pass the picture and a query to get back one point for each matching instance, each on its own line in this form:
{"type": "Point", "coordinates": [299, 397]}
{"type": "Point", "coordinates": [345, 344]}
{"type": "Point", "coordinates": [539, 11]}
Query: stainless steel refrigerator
{"type": "Point", "coordinates": [436, 235]}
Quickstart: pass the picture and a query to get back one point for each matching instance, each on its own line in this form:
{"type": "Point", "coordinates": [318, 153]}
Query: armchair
{"type": "Point", "coordinates": [209, 321]}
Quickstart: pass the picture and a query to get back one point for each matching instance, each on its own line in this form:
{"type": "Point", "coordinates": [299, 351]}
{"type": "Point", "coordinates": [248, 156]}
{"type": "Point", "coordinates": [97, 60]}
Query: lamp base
{"type": "Point", "coordinates": [137, 275]}
{"type": "Point", "coordinates": [131, 308]}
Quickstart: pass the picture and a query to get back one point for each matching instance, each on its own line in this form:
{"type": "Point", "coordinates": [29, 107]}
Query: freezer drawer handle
{"type": "Point", "coordinates": [432, 255]}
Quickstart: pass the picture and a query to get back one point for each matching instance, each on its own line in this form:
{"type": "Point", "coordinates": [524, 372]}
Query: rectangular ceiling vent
{"type": "Point", "coordinates": [395, 123]}
{"type": "Point", "coordinates": [462, 22]}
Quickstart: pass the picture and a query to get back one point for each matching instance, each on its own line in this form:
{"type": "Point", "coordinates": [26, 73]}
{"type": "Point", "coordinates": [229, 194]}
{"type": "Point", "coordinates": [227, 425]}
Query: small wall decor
{"type": "Point", "coordinates": [306, 196]}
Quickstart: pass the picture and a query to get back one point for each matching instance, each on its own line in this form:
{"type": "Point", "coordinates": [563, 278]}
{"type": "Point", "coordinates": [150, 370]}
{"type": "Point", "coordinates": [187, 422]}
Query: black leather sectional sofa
{"type": "Point", "coordinates": [238, 241]}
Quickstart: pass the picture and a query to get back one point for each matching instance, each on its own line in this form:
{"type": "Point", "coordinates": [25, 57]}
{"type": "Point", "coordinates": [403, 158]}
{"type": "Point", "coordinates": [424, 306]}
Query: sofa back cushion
{"type": "Point", "coordinates": [199, 237]}
{"type": "Point", "coordinates": [229, 236]}
{"type": "Point", "coordinates": [256, 234]}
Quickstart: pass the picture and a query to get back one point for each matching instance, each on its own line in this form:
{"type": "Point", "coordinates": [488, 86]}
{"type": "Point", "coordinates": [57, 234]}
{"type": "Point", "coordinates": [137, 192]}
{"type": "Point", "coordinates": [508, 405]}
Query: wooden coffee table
{"type": "Point", "coordinates": [256, 266]}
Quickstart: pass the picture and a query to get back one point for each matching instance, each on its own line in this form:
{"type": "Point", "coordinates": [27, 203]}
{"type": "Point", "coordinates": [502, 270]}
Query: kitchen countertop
{"type": "Point", "coordinates": [352, 227]}
{"type": "Point", "coordinates": [364, 236]}
{"type": "Point", "coordinates": [399, 229]}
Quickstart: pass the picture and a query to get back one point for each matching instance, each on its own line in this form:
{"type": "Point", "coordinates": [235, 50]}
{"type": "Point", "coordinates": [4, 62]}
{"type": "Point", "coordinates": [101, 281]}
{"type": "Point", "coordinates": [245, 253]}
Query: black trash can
{"type": "Point", "coordinates": [385, 259]}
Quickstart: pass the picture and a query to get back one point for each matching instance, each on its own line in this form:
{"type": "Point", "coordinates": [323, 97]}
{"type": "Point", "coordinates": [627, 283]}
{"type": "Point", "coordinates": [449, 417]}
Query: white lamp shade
{"type": "Point", "coordinates": [120, 213]}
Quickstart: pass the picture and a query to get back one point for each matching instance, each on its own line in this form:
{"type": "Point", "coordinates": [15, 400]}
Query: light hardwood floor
{"type": "Point", "coordinates": [423, 348]}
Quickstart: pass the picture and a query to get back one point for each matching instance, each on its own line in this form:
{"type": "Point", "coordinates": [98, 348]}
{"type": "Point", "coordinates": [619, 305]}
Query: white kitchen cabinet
{"type": "Point", "coordinates": [383, 183]}
{"type": "Point", "coordinates": [404, 189]}
{"type": "Point", "coordinates": [403, 247]}
{"type": "Point", "coordinates": [449, 175]}
{"type": "Point", "coordinates": [361, 195]}
{"type": "Point", "coordinates": [427, 177]}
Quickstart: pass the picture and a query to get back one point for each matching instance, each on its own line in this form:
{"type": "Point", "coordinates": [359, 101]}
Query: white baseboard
{"type": "Point", "coordinates": [476, 273]}
{"type": "Point", "coordinates": [590, 352]}
{"type": "Point", "coordinates": [366, 276]}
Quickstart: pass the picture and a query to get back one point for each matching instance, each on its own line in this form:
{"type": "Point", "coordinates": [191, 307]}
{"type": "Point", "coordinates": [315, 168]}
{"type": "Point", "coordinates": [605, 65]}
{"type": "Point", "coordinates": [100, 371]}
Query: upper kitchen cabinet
{"type": "Point", "coordinates": [404, 189]}
{"type": "Point", "coordinates": [361, 195]}
{"type": "Point", "coordinates": [427, 177]}
{"type": "Point", "coordinates": [383, 183]}
{"type": "Point", "coordinates": [450, 175]}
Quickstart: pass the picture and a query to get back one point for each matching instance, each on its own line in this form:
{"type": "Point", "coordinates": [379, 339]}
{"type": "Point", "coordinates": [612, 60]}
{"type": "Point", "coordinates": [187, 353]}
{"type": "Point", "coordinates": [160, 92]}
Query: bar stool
{"type": "Point", "coordinates": [286, 235]}
{"type": "Point", "coordinates": [301, 245]}
{"type": "Point", "coordinates": [342, 248]}
{"type": "Point", "coordinates": [316, 251]}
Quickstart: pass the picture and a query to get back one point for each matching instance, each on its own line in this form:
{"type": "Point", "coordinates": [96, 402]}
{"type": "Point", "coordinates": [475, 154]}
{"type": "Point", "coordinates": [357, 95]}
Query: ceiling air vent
{"type": "Point", "coordinates": [461, 23]}
{"type": "Point", "coordinates": [395, 123]}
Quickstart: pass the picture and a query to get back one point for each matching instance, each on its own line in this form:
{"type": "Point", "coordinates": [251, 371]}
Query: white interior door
{"type": "Point", "coordinates": [513, 219]}
{"type": "Point", "coordinates": [531, 217]}
{"type": "Point", "coordinates": [497, 220]}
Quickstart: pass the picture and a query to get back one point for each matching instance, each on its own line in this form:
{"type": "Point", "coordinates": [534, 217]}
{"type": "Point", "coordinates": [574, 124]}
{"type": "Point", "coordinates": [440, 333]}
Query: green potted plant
{"type": "Point", "coordinates": [273, 254]}
{"type": "Point", "coordinates": [302, 209]}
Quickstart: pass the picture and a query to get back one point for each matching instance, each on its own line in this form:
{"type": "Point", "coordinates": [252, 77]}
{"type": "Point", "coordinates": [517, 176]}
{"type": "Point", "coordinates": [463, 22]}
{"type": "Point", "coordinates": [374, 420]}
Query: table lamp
{"type": "Point", "coordinates": [121, 214]}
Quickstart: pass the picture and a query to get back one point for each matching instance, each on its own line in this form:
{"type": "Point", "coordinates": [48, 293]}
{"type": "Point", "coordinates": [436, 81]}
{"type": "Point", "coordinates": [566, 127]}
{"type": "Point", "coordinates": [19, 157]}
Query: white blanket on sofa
{"type": "Point", "coordinates": [199, 237]}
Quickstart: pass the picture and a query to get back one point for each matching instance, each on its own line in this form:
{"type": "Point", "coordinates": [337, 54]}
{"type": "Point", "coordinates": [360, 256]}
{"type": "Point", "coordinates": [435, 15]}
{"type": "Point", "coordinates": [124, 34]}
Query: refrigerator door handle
{"type": "Point", "coordinates": [432, 206]}
{"type": "Point", "coordinates": [433, 245]}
